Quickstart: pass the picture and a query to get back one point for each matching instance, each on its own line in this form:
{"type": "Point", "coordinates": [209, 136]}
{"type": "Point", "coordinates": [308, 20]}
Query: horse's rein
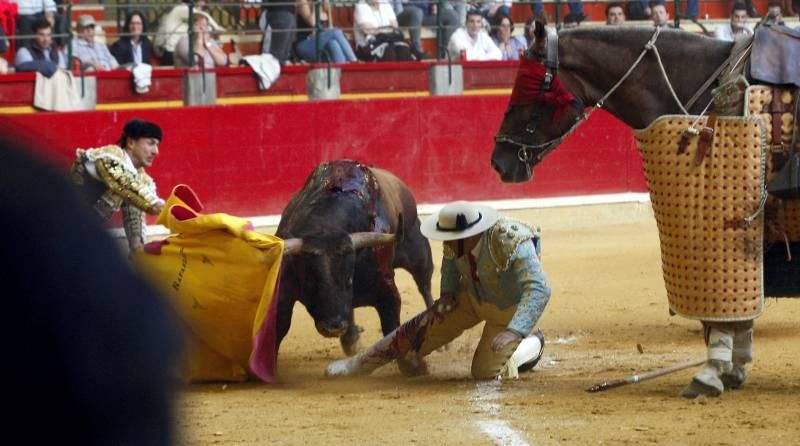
{"type": "Point", "coordinates": [528, 152]}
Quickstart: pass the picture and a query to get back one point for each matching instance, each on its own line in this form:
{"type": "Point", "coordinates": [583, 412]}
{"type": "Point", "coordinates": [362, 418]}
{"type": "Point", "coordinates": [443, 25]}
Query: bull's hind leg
{"type": "Point", "coordinates": [414, 256]}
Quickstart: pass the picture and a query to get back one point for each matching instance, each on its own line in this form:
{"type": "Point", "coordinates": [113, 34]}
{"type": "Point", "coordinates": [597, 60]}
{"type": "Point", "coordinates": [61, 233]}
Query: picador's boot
{"type": "Point", "coordinates": [742, 354]}
{"type": "Point", "coordinates": [708, 381]}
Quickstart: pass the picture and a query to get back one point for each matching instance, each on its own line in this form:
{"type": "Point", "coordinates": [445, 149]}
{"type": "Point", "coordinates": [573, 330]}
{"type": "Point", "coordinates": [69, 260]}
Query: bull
{"type": "Point", "coordinates": [345, 232]}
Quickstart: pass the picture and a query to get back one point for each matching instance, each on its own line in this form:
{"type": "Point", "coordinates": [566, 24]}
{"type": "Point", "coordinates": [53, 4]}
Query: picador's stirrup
{"type": "Point", "coordinates": [531, 363]}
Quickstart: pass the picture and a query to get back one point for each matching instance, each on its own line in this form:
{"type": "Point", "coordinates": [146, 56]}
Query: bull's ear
{"type": "Point", "coordinates": [292, 246]}
{"type": "Point", "coordinates": [370, 239]}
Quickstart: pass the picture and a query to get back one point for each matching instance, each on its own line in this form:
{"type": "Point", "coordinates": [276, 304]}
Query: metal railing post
{"type": "Point", "coordinates": [677, 14]}
{"type": "Point", "coordinates": [439, 30]}
{"type": "Point", "coordinates": [318, 34]}
{"type": "Point", "coordinates": [191, 40]}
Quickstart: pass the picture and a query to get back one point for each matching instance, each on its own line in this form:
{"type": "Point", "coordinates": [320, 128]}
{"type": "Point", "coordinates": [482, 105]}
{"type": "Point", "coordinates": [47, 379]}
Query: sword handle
{"type": "Point", "coordinates": [599, 387]}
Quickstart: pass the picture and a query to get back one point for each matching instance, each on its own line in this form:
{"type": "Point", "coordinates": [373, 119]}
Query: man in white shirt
{"type": "Point", "coordinates": [738, 26]}
{"type": "Point", "coordinates": [473, 41]}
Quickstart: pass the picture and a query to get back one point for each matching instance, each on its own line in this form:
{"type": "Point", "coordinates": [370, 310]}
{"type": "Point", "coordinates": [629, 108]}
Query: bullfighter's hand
{"type": "Point", "coordinates": [446, 303]}
{"type": "Point", "coordinates": [156, 208]}
{"type": "Point", "coordinates": [503, 339]}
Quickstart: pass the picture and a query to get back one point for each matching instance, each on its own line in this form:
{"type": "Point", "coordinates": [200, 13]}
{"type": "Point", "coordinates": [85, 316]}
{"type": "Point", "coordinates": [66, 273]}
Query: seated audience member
{"type": "Point", "coordinates": [490, 8]}
{"type": "Point", "coordinates": [575, 7]}
{"type": "Point", "coordinates": [281, 23]}
{"type": "Point", "coordinates": [510, 46]}
{"type": "Point", "coordinates": [376, 33]}
{"type": "Point", "coordinates": [133, 47]}
{"type": "Point", "coordinates": [659, 15]}
{"type": "Point", "coordinates": [571, 21]}
{"type": "Point", "coordinates": [203, 45]}
{"type": "Point", "coordinates": [737, 27]}
{"type": "Point", "coordinates": [473, 41]}
{"type": "Point", "coordinates": [615, 15]}
{"type": "Point", "coordinates": [173, 26]}
{"type": "Point", "coordinates": [29, 11]}
{"type": "Point", "coordinates": [41, 55]}
{"type": "Point", "coordinates": [414, 15]}
{"type": "Point", "coordinates": [529, 27]}
{"type": "Point", "coordinates": [332, 41]}
{"type": "Point", "coordinates": [775, 13]}
{"type": "Point", "coordinates": [92, 54]}
{"type": "Point", "coordinates": [749, 8]}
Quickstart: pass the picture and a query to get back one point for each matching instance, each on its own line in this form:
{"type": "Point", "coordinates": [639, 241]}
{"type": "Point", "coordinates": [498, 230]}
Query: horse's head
{"type": "Point", "coordinates": [540, 112]}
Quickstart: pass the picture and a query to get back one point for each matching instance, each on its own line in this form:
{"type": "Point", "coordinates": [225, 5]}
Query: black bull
{"type": "Point", "coordinates": [346, 230]}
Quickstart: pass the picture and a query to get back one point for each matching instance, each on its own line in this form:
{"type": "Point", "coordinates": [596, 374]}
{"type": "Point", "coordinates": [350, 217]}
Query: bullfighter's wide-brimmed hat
{"type": "Point", "coordinates": [459, 220]}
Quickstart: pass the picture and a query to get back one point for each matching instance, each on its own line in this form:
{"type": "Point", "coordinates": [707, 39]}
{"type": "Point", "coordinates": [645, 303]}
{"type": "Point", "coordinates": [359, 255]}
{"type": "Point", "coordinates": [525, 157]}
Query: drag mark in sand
{"type": "Point", "coordinates": [484, 403]}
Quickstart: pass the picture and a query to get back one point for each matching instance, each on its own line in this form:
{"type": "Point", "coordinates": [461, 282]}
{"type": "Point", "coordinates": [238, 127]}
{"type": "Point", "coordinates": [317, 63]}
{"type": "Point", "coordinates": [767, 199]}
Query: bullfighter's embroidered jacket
{"type": "Point", "coordinates": [108, 180]}
{"type": "Point", "coordinates": [508, 270]}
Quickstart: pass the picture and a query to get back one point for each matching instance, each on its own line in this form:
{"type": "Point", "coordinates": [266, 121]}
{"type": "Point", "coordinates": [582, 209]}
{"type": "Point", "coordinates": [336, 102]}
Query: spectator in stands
{"type": "Point", "coordinates": [283, 22]}
{"type": "Point", "coordinates": [204, 45]}
{"type": "Point", "coordinates": [173, 26]}
{"type": "Point", "coordinates": [376, 33]}
{"type": "Point", "coordinates": [490, 8]}
{"type": "Point", "coordinates": [334, 44]}
{"type": "Point", "coordinates": [748, 5]}
{"type": "Point", "coordinates": [615, 14]}
{"type": "Point", "coordinates": [3, 49]}
{"type": "Point", "coordinates": [502, 33]}
{"type": "Point", "coordinates": [529, 27]}
{"type": "Point", "coordinates": [133, 47]}
{"type": "Point", "coordinates": [41, 55]}
{"type": "Point", "coordinates": [415, 14]}
{"type": "Point", "coordinates": [639, 10]}
{"type": "Point", "coordinates": [473, 41]}
{"type": "Point", "coordinates": [659, 15]}
{"type": "Point", "coordinates": [92, 54]}
{"type": "Point", "coordinates": [575, 7]}
{"type": "Point", "coordinates": [737, 27]}
{"type": "Point", "coordinates": [775, 13]}
{"type": "Point", "coordinates": [29, 11]}
{"type": "Point", "coordinates": [571, 21]}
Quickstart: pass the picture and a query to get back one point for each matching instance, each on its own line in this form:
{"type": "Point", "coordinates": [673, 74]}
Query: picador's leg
{"type": "Point", "coordinates": [708, 381]}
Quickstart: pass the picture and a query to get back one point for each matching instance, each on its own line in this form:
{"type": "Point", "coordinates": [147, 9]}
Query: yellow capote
{"type": "Point", "coordinates": [221, 276]}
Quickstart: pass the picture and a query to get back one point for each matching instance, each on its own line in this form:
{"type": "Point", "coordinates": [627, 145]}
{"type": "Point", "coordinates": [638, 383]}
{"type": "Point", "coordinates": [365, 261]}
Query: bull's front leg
{"type": "Point", "coordinates": [350, 338]}
{"type": "Point", "coordinates": [283, 317]}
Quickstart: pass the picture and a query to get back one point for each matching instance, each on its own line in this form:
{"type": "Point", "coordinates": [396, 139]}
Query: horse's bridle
{"type": "Point", "coordinates": [530, 154]}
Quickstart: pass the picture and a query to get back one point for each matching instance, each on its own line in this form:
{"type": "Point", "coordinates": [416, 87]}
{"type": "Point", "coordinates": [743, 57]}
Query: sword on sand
{"type": "Point", "coordinates": [395, 345]}
{"type": "Point", "coordinates": [635, 379]}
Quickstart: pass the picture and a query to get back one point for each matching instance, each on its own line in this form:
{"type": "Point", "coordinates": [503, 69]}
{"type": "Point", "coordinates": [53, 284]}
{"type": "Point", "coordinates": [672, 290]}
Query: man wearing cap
{"type": "Point", "coordinates": [92, 54]}
{"type": "Point", "coordinates": [114, 177]}
{"type": "Point", "coordinates": [490, 272]}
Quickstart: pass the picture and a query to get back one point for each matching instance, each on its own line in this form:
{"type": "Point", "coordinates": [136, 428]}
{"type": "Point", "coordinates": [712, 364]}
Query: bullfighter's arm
{"type": "Point", "coordinates": [133, 222]}
{"type": "Point", "coordinates": [138, 191]}
{"type": "Point", "coordinates": [535, 290]}
{"type": "Point", "coordinates": [450, 275]}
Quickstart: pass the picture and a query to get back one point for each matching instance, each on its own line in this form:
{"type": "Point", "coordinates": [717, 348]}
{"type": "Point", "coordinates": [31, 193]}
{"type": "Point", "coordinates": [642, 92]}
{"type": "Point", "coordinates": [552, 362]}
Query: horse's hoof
{"type": "Point", "coordinates": [697, 388]}
{"type": "Point", "coordinates": [735, 379]}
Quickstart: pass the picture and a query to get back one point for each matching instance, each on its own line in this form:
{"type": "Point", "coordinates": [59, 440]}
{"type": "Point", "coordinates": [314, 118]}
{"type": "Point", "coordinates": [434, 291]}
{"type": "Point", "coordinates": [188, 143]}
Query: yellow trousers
{"type": "Point", "coordinates": [468, 312]}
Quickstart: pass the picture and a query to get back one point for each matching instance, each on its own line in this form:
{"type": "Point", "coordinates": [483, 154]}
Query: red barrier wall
{"type": "Point", "coordinates": [249, 159]}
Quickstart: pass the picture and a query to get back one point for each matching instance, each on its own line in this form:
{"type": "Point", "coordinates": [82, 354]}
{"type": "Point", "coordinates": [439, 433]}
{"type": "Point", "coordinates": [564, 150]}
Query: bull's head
{"type": "Point", "coordinates": [540, 111]}
{"type": "Point", "coordinates": [326, 265]}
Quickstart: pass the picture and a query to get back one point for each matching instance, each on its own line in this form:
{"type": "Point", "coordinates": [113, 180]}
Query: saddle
{"type": "Point", "coordinates": [776, 55]}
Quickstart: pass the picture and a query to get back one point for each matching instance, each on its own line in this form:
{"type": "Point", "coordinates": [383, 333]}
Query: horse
{"type": "Point", "coordinates": [638, 74]}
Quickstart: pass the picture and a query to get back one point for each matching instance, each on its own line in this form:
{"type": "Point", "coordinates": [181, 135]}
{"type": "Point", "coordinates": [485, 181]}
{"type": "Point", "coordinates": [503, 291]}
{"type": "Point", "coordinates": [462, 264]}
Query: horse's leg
{"type": "Point", "coordinates": [708, 381]}
{"type": "Point", "coordinates": [742, 354]}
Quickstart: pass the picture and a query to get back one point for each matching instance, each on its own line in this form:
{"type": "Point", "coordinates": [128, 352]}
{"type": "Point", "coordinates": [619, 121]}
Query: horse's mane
{"type": "Point", "coordinates": [634, 35]}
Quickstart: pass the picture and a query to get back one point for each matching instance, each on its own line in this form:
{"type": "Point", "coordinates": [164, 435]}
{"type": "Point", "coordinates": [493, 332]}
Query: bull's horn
{"type": "Point", "coordinates": [292, 246]}
{"type": "Point", "coordinates": [370, 239]}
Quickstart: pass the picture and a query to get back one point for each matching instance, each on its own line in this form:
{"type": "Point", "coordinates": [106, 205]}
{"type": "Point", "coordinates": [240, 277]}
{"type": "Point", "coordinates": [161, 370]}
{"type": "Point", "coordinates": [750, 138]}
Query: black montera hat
{"type": "Point", "coordinates": [137, 128]}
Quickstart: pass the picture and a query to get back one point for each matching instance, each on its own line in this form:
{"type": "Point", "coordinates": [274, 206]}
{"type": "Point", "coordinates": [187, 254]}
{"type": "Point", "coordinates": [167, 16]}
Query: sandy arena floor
{"type": "Point", "coordinates": [608, 297]}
